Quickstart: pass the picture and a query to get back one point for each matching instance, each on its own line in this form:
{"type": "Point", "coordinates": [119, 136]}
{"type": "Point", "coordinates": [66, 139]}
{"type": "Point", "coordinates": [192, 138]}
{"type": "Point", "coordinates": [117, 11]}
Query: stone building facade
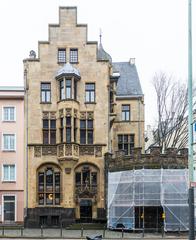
{"type": "Point", "coordinates": [79, 105]}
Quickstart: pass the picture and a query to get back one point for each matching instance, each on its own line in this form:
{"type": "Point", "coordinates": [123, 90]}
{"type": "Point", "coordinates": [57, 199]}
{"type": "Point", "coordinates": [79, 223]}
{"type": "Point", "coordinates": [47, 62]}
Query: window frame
{"type": "Point", "coordinates": [54, 190]}
{"type": "Point", "coordinates": [86, 129]}
{"type": "Point", "coordinates": [3, 175]}
{"type": "Point", "coordinates": [64, 58]}
{"type": "Point", "coordinates": [90, 91]}
{"type": "Point", "coordinates": [45, 93]}
{"type": "Point", "coordinates": [8, 106]}
{"type": "Point", "coordinates": [126, 114]}
{"type": "Point", "coordinates": [73, 58]}
{"type": "Point", "coordinates": [9, 150]}
{"type": "Point", "coordinates": [128, 143]}
{"type": "Point", "coordinates": [49, 130]}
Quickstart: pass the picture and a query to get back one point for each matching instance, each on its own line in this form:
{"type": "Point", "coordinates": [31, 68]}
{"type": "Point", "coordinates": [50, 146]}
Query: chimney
{"type": "Point", "coordinates": [132, 61]}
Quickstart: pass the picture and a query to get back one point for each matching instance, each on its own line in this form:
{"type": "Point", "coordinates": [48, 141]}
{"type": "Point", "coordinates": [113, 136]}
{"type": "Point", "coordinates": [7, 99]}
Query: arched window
{"type": "Point", "coordinates": [49, 182]}
{"type": "Point", "coordinates": [86, 177]}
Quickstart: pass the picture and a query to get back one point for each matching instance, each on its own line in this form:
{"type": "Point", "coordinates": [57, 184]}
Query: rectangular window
{"type": "Point", "coordinates": [75, 129]}
{"type": "Point", "coordinates": [126, 143]}
{"type": "Point", "coordinates": [49, 131]}
{"type": "Point", "coordinates": [9, 114]}
{"type": "Point", "coordinates": [9, 142]}
{"type": "Point", "coordinates": [73, 55]}
{"type": "Point", "coordinates": [68, 89]}
{"type": "Point", "coordinates": [62, 89]}
{"type": "Point", "coordinates": [90, 92]}
{"type": "Point", "coordinates": [68, 129]}
{"type": "Point", "coordinates": [125, 112]}
{"type": "Point", "coordinates": [86, 131]}
{"type": "Point", "coordinates": [61, 55]}
{"type": "Point", "coordinates": [9, 172]}
{"type": "Point", "coordinates": [45, 92]}
{"type": "Point", "coordinates": [61, 129]}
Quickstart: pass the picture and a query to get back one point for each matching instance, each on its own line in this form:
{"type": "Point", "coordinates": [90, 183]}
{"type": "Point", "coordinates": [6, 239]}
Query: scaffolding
{"type": "Point", "coordinates": [148, 198]}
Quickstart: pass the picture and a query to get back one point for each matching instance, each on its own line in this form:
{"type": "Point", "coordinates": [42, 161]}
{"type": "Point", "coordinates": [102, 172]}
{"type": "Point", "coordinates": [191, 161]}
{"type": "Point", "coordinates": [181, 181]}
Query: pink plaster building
{"type": "Point", "coordinates": [11, 154]}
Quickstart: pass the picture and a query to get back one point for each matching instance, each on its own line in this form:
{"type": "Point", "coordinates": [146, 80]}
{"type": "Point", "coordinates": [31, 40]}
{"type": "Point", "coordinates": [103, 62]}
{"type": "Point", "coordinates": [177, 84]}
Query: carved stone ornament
{"type": "Point", "coordinates": [75, 113]}
{"type": "Point", "coordinates": [49, 150]}
{"type": "Point", "coordinates": [90, 115]}
{"type": "Point", "coordinates": [61, 150]}
{"type": "Point", "coordinates": [76, 150]}
{"type": "Point", "coordinates": [45, 115]}
{"type": "Point", "coordinates": [86, 150]}
{"type": "Point", "coordinates": [52, 115]}
{"type": "Point", "coordinates": [68, 112]}
{"type": "Point", "coordinates": [61, 113]}
{"type": "Point", "coordinates": [98, 151]}
{"type": "Point", "coordinates": [67, 170]}
{"type": "Point", "coordinates": [37, 151]}
{"type": "Point", "coordinates": [82, 115]}
{"type": "Point", "coordinates": [68, 150]}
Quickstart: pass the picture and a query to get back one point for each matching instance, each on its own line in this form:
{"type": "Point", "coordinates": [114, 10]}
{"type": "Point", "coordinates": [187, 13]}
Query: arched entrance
{"type": "Point", "coordinates": [86, 210]}
{"type": "Point", "coordinates": [86, 191]}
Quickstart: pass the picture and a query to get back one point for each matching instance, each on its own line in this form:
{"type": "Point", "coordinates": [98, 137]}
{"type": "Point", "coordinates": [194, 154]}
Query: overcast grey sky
{"type": "Point", "coordinates": [152, 31]}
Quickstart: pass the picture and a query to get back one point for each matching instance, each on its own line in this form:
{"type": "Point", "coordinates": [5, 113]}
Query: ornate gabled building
{"type": "Point", "coordinates": [78, 106]}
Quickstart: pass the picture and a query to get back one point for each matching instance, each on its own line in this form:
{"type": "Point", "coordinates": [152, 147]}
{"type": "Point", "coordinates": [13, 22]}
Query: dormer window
{"type": "Point", "coordinates": [74, 55]}
{"type": "Point", "coordinates": [61, 55]}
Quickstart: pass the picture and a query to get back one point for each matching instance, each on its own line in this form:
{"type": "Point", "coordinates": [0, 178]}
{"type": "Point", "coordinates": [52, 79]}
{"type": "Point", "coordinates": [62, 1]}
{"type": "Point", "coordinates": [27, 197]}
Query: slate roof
{"type": "Point", "coordinates": [67, 69]}
{"type": "Point", "coordinates": [128, 83]}
{"type": "Point", "coordinates": [102, 54]}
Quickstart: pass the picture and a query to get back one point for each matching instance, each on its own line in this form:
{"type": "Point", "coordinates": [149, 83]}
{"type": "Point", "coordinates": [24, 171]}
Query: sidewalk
{"type": "Point", "coordinates": [79, 234]}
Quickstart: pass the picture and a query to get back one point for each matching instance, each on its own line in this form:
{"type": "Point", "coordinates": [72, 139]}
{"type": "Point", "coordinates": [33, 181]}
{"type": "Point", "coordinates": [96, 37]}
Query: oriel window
{"type": "Point", "coordinates": [62, 89]}
{"type": "Point", "coordinates": [45, 92]}
{"type": "Point", "coordinates": [68, 89]}
{"type": "Point", "coordinates": [89, 92]}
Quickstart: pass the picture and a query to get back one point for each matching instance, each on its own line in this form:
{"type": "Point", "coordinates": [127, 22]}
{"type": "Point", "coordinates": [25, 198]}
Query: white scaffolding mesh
{"type": "Point", "coordinates": [165, 188]}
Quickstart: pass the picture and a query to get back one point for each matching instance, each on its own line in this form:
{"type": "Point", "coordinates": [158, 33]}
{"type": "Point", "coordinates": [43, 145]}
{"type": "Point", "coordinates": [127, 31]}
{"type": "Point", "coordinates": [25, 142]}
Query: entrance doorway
{"type": "Point", "coordinates": [86, 210]}
{"type": "Point", "coordinates": [8, 208]}
{"type": "Point", "coordinates": [148, 217]}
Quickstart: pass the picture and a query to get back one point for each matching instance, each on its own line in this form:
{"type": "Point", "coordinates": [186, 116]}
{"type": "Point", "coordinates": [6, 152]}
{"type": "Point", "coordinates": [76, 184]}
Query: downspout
{"type": "Point", "coordinates": [26, 110]}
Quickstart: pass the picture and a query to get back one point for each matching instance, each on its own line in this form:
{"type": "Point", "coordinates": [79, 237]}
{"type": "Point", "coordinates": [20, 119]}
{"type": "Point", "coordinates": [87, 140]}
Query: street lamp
{"type": "Point", "coordinates": [190, 127]}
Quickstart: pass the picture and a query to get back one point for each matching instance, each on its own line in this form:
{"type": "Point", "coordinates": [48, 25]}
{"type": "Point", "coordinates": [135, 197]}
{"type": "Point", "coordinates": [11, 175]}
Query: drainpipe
{"type": "Point", "coordinates": [26, 110]}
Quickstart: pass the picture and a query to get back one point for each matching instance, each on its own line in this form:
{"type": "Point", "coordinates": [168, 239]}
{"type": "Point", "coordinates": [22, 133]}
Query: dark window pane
{"type": "Point", "coordinates": [75, 90]}
{"type": "Point", "coordinates": [68, 121]}
{"type": "Point", "coordinates": [49, 180]}
{"type": "Point", "coordinates": [68, 135]}
{"type": "Point", "coordinates": [75, 134]}
{"type": "Point", "coordinates": [45, 86]}
{"type": "Point", "coordinates": [62, 90]}
{"type": "Point", "coordinates": [83, 124]}
{"type": "Point", "coordinates": [126, 149]}
{"type": "Point", "coordinates": [57, 182]}
{"type": "Point", "coordinates": [41, 182]}
{"type": "Point", "coordinates": [53, 124]}
{"type": "Point", "coordinates": [120, 138]}
{"type": "Point", "coordinates": [90, 136]}
{"type": "Point", "coordinates": [78, 178]}
{"type": "Point", "coordinates": [61, 134]}
{"type": "Point", "coordinates": [86, 177]}
{"type": "Point", "coordinates": [41, 198]}
{"type": "Point", "coordinates": [45, 137]}
{"type": "Point", "coordinates": [89, 123]}
{"type": "Point", "coordinates": [120, 146]}
{"type": "Point", "coordinates": [57, 199]}
{"type": "Point", "coordinates": [126, 138]}
{"type": "Point", "coordinates": [83, 136]}
{"type": "Point", "coordinates": [52, 137]}
{"type": "Point", "coordinates": [94, 178]}
{"type": "Point", "coordinates": [45, 123]}
{"type": "Point", "coordinates": [61, 122]}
